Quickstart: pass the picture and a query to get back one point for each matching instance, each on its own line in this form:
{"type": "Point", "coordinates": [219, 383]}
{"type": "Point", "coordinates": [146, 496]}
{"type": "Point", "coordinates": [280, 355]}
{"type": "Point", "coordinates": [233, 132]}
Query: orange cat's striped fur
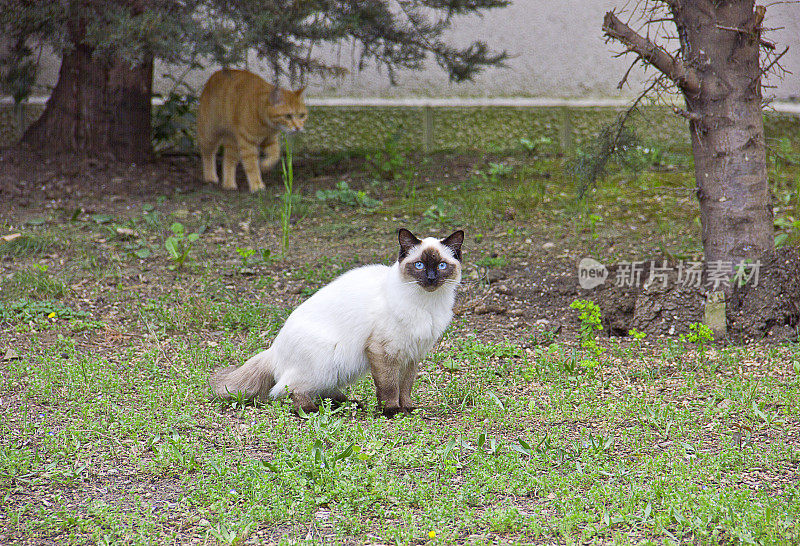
{"type": "Point", "coordinates": [244, 114]}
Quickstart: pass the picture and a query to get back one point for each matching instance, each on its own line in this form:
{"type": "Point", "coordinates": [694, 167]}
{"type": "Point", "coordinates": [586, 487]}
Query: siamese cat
{"type": "Point", "coordinates": [376, 318]}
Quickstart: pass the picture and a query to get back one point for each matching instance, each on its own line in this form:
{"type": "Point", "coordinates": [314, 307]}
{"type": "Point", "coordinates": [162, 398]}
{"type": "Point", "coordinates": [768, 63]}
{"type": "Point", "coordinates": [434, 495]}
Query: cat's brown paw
{"type": "Point", "coordinates": [392, 412]}
{"type": "Point", "coordinates": [304, 403]}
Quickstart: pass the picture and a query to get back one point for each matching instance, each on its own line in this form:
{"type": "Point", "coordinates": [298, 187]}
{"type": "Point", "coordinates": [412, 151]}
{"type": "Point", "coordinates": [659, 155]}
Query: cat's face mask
{"type": "Point", "coordinates": [430, 263]}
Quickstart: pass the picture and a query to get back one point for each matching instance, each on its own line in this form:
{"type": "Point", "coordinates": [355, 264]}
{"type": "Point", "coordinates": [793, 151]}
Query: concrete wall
{"type": "Point", "coordinates": [558, 50]}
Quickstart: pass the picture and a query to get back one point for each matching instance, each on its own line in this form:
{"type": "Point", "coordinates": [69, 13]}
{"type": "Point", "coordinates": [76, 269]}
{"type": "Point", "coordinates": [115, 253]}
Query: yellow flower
{"type": "Point", "coordinates": [431, 534]}
{"type": "Point", "coordinates": [52, 315]}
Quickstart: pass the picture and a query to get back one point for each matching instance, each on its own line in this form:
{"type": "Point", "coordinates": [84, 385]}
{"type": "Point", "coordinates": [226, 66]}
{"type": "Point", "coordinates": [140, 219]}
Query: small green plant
{"type": "Point", "coordinates": [593, 220]}
{"type": "Point", "coordinates": [636, 334]}
{"type": "Point", "coordinates": [591, 322]}
{"type": "Point", "coordinates": [287, 174]}
{"type": "Point", "coordinates": [789, 231]}
{"type": "Point", "coordinates": [496, 172]}
{"type": "Point", "coordinates": [486, 263]}
{"type": "Point", "coordinates": [700, 336]}
{"type": "Point", "coordinates": [137, 249]}
{"type": "Point", "coordinates": [34, 282]}
{"type": "Point", "coordinates": [343, 195]}
{"type": "Point", "coordinates": [389, 163]}
{"type": "Point", "coordinates": [438, 213]}
{"type": "Point", "coordinates": [151, 217]}
{"type": "Point", "coordinates": [27, 310]}
{"type": "Point", "coordinates": [179, 245]}
{"type": "Point", "coordinates": [174, 123]}
{"type": "Point", "coordinates": [532, 146]}
{"type": "Point", "coordinates": [637, 338]}
{"type": "Point", "coordinates": [492, 262]}
{"type": "Point", "coordinates": [244, 254]}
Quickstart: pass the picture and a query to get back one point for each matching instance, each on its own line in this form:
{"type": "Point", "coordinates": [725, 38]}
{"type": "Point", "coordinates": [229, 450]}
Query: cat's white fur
{"type": "Point", "coordinates": [322, 347]}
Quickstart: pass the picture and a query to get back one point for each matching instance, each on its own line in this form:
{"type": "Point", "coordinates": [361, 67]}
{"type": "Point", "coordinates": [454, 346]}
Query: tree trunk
{"type": "Point", "coordinates": [727, 129]}
{"type": "Point", "coordinates": [100, 106]}
{"type": "Point", "coordinates": [720, 77]}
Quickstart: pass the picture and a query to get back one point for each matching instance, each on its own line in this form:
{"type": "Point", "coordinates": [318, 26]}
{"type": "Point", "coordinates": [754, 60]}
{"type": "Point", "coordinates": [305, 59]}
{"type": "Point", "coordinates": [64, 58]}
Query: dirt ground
{"type": "Point", "coordinates": [523, 298]}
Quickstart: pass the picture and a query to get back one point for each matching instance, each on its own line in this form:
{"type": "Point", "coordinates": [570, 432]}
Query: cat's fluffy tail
{"type": "Point", "coordinates": [253, 379]}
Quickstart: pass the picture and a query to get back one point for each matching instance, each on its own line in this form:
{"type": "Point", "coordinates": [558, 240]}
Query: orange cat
{"type": "Point", "coordinates": [245, 114]}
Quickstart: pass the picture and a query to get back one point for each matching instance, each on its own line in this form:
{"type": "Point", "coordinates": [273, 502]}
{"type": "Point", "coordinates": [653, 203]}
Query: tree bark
{"type": "Point", "coordinates": [728, 136]}
{"type": "Point", "coordinates": [99, 107]}
{"type": "Point", "coordinates": [720, 77]}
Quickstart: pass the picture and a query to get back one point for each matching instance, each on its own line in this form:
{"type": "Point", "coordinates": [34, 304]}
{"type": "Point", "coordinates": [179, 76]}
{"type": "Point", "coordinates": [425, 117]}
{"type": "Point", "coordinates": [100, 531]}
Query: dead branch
{"type": "Point", "coordinates": [627, 73]}
{"type": "Point", "coordinates": [770, 65]}
{"type": "Point", "coordinates": [685, 78]}
{"type": "Point", "coordinates": [762, 41]}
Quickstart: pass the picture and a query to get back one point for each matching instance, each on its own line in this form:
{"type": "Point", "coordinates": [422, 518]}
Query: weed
{"type": "Point", "coordinates": [486, 263]}
{"type": "Point", "coordinates": [590, 323]}
{"type": "Point", "coordinates": [492, 262]}
{"type": "Point", "coordinates": [636, 334]}
{"type": "Point", "coordinates": [538, 144]}
{"type": "Point", "coordinates": [593, 220]}
{"type": "Point", "coordinates": [179, 245]}
{"type": "Point", "coordinates": [439, 213]}
{"type": "Point", "coordinates": [343, 195]}
{"type": "Point", "coordinates": [496, 172]}
{"type": "Point", "coordinates": [137, 249]}
{"type": "Point", "coordinates": [287, 175]}
{"type": "Point", "coordinates": [638, 337]}
{"type": "Point", "coordinates": [34, 282]}
{"type": "Point", "coordinates": [152, 218]}
{"type": "Point", "coordinates": [26, 310]}
{"type": "Point", "coordinates": [27, 245]}
{"type": "Point", "coordinates": [700, 336]}
{"type": "Point", "coordinates": [389, 163]}
{"type": "Point", "coordinates": [789, 233]}
{"type": "Point", "coordinates": [244, 254]}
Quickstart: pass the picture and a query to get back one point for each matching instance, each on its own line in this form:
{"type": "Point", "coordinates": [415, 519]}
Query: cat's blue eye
{"type": "Point", "coordinates": [419, 265]}
{"type": "Point", "coordinates": [442, 265]}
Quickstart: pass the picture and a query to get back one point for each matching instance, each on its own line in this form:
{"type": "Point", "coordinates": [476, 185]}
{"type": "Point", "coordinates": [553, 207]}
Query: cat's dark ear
{"type": "Point", "coordinates": [275, 96]}
{"type": "Point", "coordinates": [454, 242]}
{"type": "Point", "coordinates": [407, 242]}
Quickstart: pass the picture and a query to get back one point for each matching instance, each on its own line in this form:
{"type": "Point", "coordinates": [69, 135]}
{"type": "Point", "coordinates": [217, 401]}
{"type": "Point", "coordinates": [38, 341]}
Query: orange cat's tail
{"type": "Point", "coordinates": [253, 379]}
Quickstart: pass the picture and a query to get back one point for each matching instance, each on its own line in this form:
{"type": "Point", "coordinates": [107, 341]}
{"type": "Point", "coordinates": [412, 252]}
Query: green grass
{"type": "Point", "coordinates": [28, 245]}
{"type": "Point", "coordinates": [35, 282]}
{"type": "Point", "coordinates": [529, 453]}
{"type": "Point", "coordinates": [109, 436]}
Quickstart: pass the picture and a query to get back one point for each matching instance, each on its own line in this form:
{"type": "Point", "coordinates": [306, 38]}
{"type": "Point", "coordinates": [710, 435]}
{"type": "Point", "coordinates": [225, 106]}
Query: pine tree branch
{"type": "Point", "coordinates": [685, 78]}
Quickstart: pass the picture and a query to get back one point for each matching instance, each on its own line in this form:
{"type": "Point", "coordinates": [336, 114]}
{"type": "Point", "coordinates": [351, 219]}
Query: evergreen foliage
{"type": "Point", "coordinates": [287, 33]}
